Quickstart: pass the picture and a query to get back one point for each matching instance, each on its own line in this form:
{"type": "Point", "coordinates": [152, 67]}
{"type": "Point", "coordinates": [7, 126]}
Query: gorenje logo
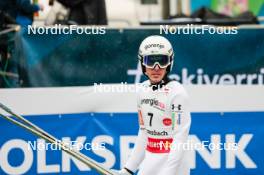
{"type": "Point", "coordinates": [160, 46]}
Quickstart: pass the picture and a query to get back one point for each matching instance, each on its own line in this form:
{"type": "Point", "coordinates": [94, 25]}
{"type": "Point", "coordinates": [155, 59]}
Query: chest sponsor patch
{"type": "Point", "coordinates": [157, 133]}
{"type": "Point", "coordinates": [159, 145]}
{"type": "Point", "coordinates": [153, 102]}
{"type": "Point", "coordinates": [167, 121]}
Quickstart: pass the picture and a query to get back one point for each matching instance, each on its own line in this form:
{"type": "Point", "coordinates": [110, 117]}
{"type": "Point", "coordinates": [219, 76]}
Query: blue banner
{"type": "Point", "coordinates": [113, 134]}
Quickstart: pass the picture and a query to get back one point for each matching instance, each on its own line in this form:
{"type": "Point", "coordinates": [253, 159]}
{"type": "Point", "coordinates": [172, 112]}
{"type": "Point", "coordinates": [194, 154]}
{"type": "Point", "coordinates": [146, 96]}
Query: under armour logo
{"type": "Point", "coordinates": [179, 107]}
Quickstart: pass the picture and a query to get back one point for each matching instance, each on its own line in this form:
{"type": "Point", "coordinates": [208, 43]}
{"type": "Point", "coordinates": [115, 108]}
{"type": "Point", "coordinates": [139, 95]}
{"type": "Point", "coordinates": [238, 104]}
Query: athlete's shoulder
{"type": "Point", "coordinates": [145, 83]}
{"type": "Point", "coordinates": [176, 88]}
{"type": "Point", "coordinates": [142, 87]}
{"type": "Point", "coordinates": [175, 85]}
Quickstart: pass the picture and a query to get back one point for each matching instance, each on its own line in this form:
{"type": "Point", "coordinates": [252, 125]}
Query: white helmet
{"type": "Point", "coordinates": [156, 50]}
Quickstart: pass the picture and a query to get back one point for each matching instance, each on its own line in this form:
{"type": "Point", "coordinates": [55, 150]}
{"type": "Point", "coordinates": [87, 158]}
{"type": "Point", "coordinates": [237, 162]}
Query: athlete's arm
{"type": "Point", "coordinates": [181, 125]}
{"type": "Point", "coordinates": [138, 152]}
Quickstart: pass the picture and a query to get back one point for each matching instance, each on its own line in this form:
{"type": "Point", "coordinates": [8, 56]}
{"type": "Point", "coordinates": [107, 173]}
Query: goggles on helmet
{"type": "Point", "coordinates": [150, 61]}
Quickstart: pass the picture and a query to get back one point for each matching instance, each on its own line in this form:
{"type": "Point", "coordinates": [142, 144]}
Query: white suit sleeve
{"type": "Point", "coordinates": [138, 153]}
{"type": "Point", "coordinates": [181, 126]}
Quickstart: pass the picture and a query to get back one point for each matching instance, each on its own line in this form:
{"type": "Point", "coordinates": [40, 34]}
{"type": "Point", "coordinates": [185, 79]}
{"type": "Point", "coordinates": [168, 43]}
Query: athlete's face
{"type": "Point", "coordinates": [155, 74]}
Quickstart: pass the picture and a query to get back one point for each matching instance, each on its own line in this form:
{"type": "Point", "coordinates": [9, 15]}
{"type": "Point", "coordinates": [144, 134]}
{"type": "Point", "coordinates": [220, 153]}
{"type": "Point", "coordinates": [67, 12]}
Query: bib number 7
{"type": "Point", "coordinates": [150, 119]}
